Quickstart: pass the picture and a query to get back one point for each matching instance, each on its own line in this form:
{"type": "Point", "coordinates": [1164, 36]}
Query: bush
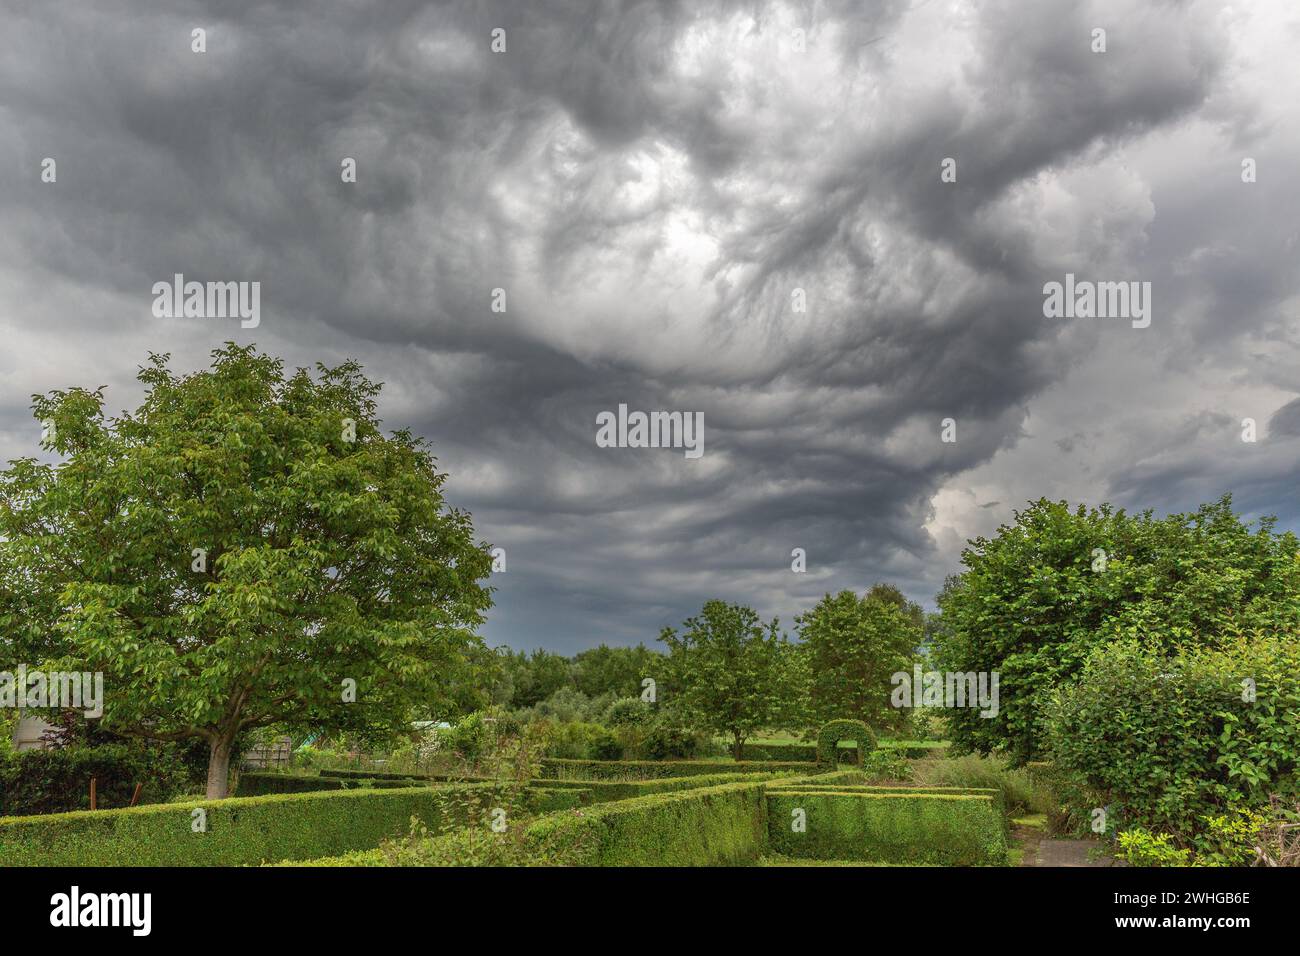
{"type": "Point", "coordinates": [604, 746]}
{"type": "Point", "coordinates": [883, 827]}
{"type": "Point", "coordinates": [240, 830]}
{"type": "Point", "coordinates": [1015, 784]}
{"type": "Point", "coordinates": [831, 734]}
{"type": "Point", "coordinates": [581, 741]}
{"type": "Point", "coordinates": [58, 780]}
{"type": "Point", "coordinates": [1039, 597]}
{"type": "Point", "coordinates": [1167, 741]}
{"type": "Point", "coordinates": [627, 710]}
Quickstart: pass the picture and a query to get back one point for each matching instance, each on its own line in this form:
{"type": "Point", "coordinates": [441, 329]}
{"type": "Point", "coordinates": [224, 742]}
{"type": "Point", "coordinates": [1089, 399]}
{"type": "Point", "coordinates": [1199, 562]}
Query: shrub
{"type": "Point", "coordinates": [668, 739]}
{"type": "Point", "coordinates": [1033, 602]}
{"type": "Point", "coordinates": [627, 710]}
{"type": "Point", "coordinates": [58, 780]}
{"type": "Point", "coordinates": [1168, 741]}
{"type": "Point", "coordinates": [580, 741]}
{"type": "Point", "coordinates": [1019, 793]}
{"type": "Point", "coordinates": [832, 733]}
{"type": "Point", "coordinates": [947, 829]}
{"type": "Point", "coordinates": [604, 746]}
{"type": "Point", "coordinates": [1138, 847]}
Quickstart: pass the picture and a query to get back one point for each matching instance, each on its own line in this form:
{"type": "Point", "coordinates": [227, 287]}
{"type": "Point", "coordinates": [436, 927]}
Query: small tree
{"type": "Point", "coordinates": [245, 549]}
{"type": "Point", "coordinates": [853, 646]}
{"type": "Point", "coordinates": [731, 673]}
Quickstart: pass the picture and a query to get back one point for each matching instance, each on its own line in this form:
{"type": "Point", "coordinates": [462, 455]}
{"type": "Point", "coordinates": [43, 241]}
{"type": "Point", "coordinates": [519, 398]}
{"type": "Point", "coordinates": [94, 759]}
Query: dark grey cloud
{"type": "Point", "coordinates": [650, 183]}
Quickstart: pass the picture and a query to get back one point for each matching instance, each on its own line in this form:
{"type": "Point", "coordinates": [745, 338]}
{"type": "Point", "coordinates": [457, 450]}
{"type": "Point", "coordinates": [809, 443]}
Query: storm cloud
{"type": "Point", "coordinates": [654, 188]}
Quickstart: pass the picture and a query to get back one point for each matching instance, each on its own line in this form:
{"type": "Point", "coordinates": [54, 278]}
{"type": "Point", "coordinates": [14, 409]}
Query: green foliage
{"type": "Point", "coordinates": [1140, 847]}
{"type": "Point", "coordinates": [617, 671]}
{"type": "Point", "coordinates": [669, 740]}
{"type": "Point", "coordinates": [1168, 739]}
{"type": "Point", "coordinates": [733, 675]}
{"type": "Point", "coordinates": [579, 741]}
{"type": "Point", "coordinates": [1019, 791]}
{"type": "Point", "coordinates": [1031, 606]}
{"type": "Point", "coordinates": [628, 710]}
{"type": "Point", "coordinates": [323, 557]}
{"type": "Point", "coordinates": [58, 780]}
{"type": "Point", "coordinates": [652, 769]}
{"type": "Point", "coordinates": [709, 826]}
{"type": "Point", "coordinates": [834, 731]}
{"type": "Point", "coordinates": [240, 830]}
{"type": "Point", "coordinates": [851, 646]}
{"type": "Point", "coordinates": [890, 827]}
{"type": "Point", "coordinates": [254, 784]}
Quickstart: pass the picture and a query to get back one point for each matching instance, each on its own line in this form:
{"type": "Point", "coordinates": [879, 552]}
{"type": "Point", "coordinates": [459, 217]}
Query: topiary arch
{"type": "Point", "coordinates": [829, 737]}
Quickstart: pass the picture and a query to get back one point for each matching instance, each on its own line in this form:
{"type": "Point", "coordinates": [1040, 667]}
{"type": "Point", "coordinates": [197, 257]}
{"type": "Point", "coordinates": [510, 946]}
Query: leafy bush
{"type": "Point", "coordinates": [1139, 847]}
{"type": "Point", "coordinates": [58, 780]}
{"type": "Point", "coordinates": [1168, 739]}
{"type": "Point", "coordinates": [1016, 784]}
{"type": "Point", "coordinates": [1039, 597]}
{"type": "Point", "coordinates": [666, 739]}
{"type": "Point", "coordinates": [604, 745]}
{"type": "Point", "coordinates": [580, 741]}
{"type": "Point", "coordinates": [627, 710]}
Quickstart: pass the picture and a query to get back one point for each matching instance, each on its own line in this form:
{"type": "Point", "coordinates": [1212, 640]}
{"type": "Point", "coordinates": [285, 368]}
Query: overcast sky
{"type": "Point", "coordinates": [650, 183]}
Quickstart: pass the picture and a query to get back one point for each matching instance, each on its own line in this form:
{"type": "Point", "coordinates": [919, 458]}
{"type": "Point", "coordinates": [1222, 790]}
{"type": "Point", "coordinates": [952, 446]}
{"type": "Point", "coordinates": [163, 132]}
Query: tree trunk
{"type": "Point", "coordinates": [219, 769]}
{"type": "Point", "coordinates": [738, 747]}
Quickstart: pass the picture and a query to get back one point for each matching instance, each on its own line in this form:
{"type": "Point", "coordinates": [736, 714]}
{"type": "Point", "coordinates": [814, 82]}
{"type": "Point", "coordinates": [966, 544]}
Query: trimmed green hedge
{"type": "Point", "coordinates": [554, 768]}
{"type": "Point", "coordinates": [373, 775]}
{"type": "Point", "coordinates": [911, 749]}
{"type": "Point", "coordinates": [948, 829]}
{"type": "Point", "coordinates": [708, 826]}
{"type": "Point", "coordinates": [241, 830]}
{"type": "Point", "coordinates": [997, 796]}
{"type": "Point", "coordinates": [603, 791]}
{"type": "Point", "coordinates": [832, 733]}
{"type": "Point", "coordinates": [260, 783]}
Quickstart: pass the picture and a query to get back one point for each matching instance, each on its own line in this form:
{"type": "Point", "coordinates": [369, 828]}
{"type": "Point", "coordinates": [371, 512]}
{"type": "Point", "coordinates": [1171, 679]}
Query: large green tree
{"type": "Point", "coordinates": [852, 647]}
{"type": "Point", "coordinates": [731, 674]}
{"type": "Point", "coordinates": [1038, 597]}
{"type": "Point", "coordinates": [245, 549]}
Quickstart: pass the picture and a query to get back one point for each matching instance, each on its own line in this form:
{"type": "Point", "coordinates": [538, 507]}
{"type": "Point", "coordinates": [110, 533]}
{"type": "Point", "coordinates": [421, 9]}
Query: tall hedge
{"type": "Point", "coordinates": [58, 780]}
